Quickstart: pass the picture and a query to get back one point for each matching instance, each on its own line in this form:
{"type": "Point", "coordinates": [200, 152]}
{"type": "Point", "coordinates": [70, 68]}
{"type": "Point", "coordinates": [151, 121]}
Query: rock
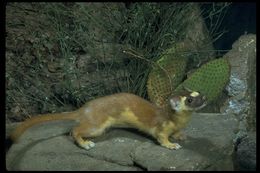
{"type": "Point", "coordinates": [242, 92]}
{"type": "Point", "coordinates": [245, 155]}
{"type": "Point", "coordinates": [242, 85]}
{"type": "Point", "coordinates": [208, 147]}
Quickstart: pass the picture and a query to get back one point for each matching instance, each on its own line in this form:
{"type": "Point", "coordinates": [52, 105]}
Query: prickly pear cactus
{"type": "Point", "coordinates": [167, 73]}
{"type": "Point", "coordinates": [210, 79]}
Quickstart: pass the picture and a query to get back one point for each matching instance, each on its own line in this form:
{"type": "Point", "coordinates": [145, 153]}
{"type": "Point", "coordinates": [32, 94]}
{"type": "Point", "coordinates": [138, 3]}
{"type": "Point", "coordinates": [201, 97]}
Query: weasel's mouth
{"type": "Point", "coordinates": [175, 103]}
{"type": "Point", "coordinates": [204, 103]}
{"type": "Point", "coordinates": [200, 107]}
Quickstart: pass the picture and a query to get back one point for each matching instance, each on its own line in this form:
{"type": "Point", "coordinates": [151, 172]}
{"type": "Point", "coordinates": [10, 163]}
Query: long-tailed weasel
{"type": "Point", "coordinates": [125, 110]}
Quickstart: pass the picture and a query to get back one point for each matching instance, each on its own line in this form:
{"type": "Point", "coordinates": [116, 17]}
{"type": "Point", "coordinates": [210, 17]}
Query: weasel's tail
{"type": "Point", "coordinates": [40, 119]}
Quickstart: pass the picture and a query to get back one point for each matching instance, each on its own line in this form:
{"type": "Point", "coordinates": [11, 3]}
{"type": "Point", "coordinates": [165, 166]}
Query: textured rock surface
{"type": "Point", "coordinates": [242, 101]}
{"type": "Point", "coordinates": [245, 155]}
{"type": "Point", "coordinates": [242, 85]}
{"type": "Point", "coordinates": [208, 146]}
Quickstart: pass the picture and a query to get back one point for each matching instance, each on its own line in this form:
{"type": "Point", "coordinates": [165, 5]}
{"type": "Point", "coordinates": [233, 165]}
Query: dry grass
{"type": "Point", "coordinates": [59, 55]}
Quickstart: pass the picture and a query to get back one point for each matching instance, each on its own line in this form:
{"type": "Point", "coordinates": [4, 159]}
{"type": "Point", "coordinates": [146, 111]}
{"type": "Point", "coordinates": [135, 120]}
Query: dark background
{"type": "Point", "coordinates": [239, 19]}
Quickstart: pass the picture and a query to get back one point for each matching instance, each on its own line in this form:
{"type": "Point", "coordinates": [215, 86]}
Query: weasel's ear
{"type": "Point", "coordinates": [194, 94]}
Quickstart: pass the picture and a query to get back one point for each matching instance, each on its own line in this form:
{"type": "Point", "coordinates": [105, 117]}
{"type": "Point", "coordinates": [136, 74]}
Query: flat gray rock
{"type": "Point", "coordinates": [208, 146]}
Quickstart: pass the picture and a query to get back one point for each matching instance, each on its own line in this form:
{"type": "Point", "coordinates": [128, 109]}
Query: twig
{"type": "Point", "coordinates": [151, 62]}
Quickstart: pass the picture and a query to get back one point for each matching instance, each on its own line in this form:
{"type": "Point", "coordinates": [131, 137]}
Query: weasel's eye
{"type": "Point", "coordinates": [189, 100]}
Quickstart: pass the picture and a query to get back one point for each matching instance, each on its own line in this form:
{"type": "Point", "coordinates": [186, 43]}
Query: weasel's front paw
{"type": "Point", "coordinates": [172, 146]}
{"type": "Point", "coordinates": [87, 145]}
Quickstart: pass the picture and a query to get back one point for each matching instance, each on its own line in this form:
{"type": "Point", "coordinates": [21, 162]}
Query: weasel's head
{"type": "Point", "coordinates": [190, 101]}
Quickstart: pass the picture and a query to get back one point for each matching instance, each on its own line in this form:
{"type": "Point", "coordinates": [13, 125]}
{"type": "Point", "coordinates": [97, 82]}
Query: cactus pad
{"type": "Point", "coordinates": [167, 73]}
{"type": "Point", "coordinates": [210, 79]}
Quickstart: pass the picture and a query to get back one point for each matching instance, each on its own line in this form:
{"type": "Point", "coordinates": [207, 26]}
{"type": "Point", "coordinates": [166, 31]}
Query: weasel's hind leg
{"type": "Point", "coordinates": [86, 130]}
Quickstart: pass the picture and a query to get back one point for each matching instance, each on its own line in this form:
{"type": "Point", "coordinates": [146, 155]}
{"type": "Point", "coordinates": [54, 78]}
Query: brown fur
{"type": "Point", "coordinates": [122, 110]}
